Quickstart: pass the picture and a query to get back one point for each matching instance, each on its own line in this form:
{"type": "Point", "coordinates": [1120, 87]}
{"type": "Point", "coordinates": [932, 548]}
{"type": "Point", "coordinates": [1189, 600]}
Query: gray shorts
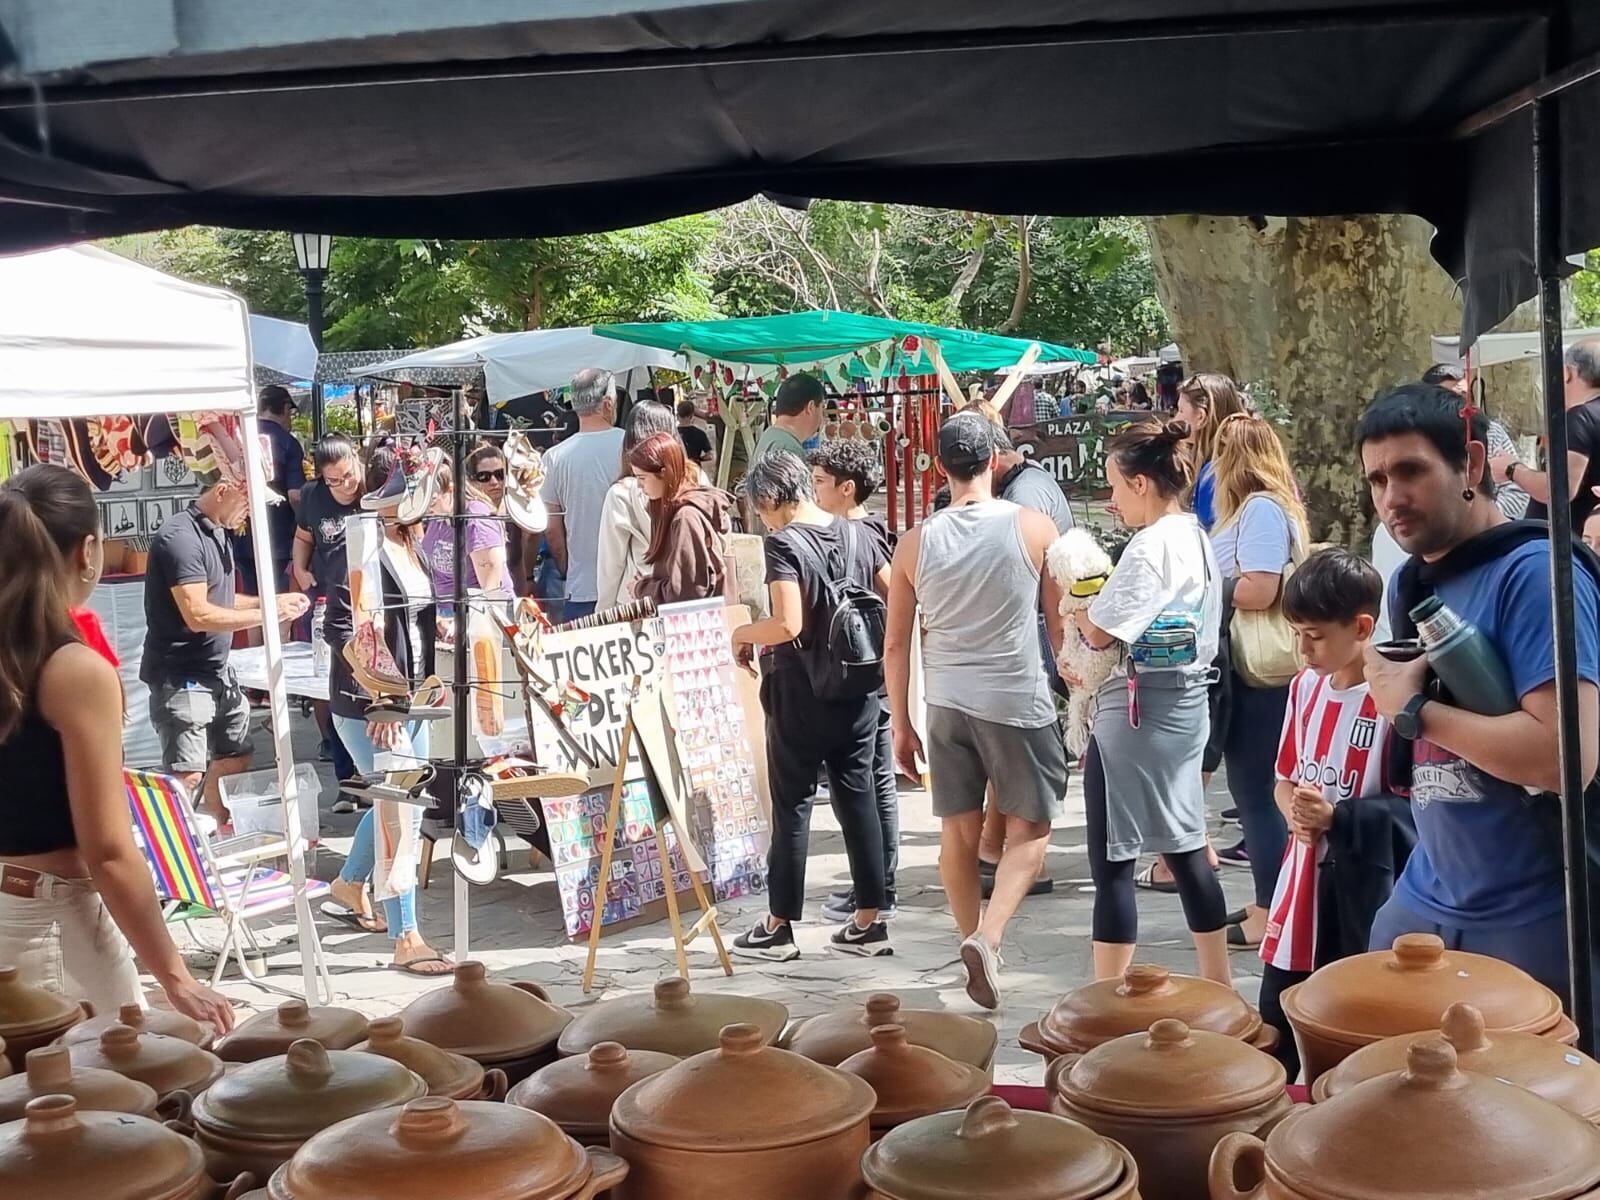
{"type": "Point", "coordinates": [199, 720]}
{"type": "Point", "coordinates": [965, 753]}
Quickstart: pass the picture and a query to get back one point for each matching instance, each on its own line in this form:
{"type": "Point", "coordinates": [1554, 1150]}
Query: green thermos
{"type": "Point", "coordinates": [1466, 662]}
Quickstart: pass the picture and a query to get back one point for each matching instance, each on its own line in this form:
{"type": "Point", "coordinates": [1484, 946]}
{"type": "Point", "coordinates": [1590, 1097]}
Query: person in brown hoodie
{"type": "Point", "coordinates": [687, 524]}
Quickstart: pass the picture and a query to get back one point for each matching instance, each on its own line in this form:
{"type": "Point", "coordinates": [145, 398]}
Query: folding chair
{"type": "Point", "coordinates": [224, 878]}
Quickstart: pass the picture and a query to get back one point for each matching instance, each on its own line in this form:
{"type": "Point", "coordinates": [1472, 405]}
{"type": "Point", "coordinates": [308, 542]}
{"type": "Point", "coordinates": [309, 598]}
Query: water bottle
{"type": "Point", "coordinates": [319, 639]}
{"type": "Point", "coordinates": [1465, 661]}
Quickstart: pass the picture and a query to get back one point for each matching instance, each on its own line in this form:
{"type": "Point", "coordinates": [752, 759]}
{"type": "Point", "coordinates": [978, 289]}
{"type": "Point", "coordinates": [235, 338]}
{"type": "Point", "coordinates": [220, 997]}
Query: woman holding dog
{"type": "Point", "coordinates": [1141, 771]}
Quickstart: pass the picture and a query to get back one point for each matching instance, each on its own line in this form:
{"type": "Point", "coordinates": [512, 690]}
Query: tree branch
{"type": "Point", "coordinates": [1019, 301]}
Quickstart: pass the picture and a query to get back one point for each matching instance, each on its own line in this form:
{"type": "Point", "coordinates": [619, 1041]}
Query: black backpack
{"type": "Point", "coordinates": [843, 651]}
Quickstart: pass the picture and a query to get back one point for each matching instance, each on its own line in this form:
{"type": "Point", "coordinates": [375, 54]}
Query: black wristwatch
{"type": "Point", "coordinates": [1511, 469]}
{"type": "Point", "coordinates": [1408, 721]}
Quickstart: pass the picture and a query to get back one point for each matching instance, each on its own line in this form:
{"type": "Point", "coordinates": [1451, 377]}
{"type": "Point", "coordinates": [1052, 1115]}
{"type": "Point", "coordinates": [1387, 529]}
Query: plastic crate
{"type": "Point", "coordinates": [256, 806]}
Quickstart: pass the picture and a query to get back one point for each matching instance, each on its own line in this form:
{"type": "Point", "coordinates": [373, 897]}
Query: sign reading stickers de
{"type": "Point", "coordinates": [1073, 449]}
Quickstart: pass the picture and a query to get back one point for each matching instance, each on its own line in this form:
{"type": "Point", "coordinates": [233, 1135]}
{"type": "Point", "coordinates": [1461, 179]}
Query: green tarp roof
{"type": "Point", "coordinates": [822, 335]}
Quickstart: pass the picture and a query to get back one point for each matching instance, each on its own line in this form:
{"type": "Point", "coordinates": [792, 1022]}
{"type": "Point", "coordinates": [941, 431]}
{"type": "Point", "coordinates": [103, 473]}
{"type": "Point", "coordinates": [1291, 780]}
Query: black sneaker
{"type": "Point", "coordinates": [774, 945]}
{"type": "Point", "coordinates": [841, 907]}
{"type": "Point", "coordinates": [869, 942]}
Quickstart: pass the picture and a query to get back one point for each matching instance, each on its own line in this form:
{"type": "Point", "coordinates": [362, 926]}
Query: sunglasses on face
{"type": "Point", "coordinates": [490, 476]}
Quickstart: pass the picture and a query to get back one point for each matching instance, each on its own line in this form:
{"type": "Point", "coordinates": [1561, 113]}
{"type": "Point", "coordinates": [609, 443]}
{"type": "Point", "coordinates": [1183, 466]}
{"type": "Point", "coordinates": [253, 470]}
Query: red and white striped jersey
{"type": "Point", "coordinates": [1336, 741]}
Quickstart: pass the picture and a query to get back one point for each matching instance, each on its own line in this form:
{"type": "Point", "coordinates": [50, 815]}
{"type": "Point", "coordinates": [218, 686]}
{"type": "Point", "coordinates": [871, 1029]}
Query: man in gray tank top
{"type": "Point", "coordinates": [975, 570]}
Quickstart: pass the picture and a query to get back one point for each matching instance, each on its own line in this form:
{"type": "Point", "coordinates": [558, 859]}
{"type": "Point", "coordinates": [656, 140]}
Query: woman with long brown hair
{"type": "Point", "coordinates": [687, 525]}
{"type": "Point", "coordinates": [1260, 532]}
{"type": "Point", "coordinates": [625, 518]}
{"type": "Point", "coordinates": [75, 892]}
{"type": "Point", "coordinates": [1205, 401]}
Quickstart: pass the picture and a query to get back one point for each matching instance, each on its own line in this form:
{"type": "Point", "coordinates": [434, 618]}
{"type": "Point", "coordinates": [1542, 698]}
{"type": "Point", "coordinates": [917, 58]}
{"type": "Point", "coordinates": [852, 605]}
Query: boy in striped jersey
{"type": "Point", "coordinates": [1332, 751]}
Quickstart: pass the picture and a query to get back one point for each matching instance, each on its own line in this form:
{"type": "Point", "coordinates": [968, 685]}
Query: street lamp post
{"type": "Point", "coordinates": [312, 252]}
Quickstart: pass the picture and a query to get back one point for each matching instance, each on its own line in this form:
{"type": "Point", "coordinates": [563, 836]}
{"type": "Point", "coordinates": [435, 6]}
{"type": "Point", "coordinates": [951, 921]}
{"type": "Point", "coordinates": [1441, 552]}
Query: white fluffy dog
{"type": "Point", "coordinates": [1078, 564]}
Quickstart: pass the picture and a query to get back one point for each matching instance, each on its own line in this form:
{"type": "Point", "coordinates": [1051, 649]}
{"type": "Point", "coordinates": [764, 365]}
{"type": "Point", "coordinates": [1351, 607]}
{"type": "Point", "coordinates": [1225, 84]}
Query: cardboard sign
{"type": "Point", "coordinates": [1072, 449]}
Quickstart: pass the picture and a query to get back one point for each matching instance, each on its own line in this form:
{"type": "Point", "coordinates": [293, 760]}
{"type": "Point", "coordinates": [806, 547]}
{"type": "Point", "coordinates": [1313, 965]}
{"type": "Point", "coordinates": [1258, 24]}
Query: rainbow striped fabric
{"type": "Point", "coordinates": [161, 821]}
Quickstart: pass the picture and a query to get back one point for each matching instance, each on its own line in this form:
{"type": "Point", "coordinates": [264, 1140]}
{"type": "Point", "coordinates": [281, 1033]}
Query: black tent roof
{"type": "Point", "coordinates": [470, 119]}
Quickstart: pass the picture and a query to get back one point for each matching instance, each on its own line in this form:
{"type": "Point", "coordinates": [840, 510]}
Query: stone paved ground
{"type": "Point", "coordinates": [516, 930]}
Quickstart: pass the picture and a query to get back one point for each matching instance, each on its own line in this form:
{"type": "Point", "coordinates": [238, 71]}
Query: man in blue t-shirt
{"type": "Point", "coordinates": [1486, 875]}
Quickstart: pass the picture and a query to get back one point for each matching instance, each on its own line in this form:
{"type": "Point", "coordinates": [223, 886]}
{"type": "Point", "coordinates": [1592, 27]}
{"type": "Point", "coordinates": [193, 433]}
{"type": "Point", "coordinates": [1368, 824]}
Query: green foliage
{"type": "Point", "coordinates": [1586, 291]}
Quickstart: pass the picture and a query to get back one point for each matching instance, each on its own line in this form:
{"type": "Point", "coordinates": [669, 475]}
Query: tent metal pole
{"type": "Point", "coordinates": [1546, 234]}
{"type": "Point", "coordinates": [1550, 86]}
{"type": "Point", "coordinates": [459, 692]}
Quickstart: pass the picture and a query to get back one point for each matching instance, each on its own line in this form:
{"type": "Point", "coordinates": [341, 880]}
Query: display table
{"type": "Point", "coordinates": [300, 677]}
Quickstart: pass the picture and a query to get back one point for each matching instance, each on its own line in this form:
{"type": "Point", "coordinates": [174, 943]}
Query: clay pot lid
{"type": "Point", "coordinates": [833, 1037]}
{"type": "Point", "coordinates": [29, 1011]}
{"type": "Point", "coordinates": [912, 1081]}
{"type": "Point", "coordinates": [489, 1022]}
{"type": "Point", "coordinates": [66, 1154]}
{"type": "Point", "coordinates": [167, 1064]}
{"type": "Point", "coordinates": [267, 1034]}
{"type": "Point", "coordinates": [1546, 1068]}
{"type": "Point", "coordinates": [294, 1095]}
{"type": "Point", "coordinates": [744, 1095]}
{"type": "Point", "coordinates": [579, 1093]}
{"type": "Point", "coordinates": [991, 1150]}
{"type": "Point", "coordinates": [1435, 1132]}
{"type": "Point", "coordinates": [50, 1071]}
{"type": "Point", "coordinates": [1172, 1071]}
{"type": "Point", "coordinates": [670, 1019]}
{"type": "Point", "coordinates": [1406, 989]}
{"type": "Point", "coordinates": [445, 1073]}
{"type": "Point", "coordinates": [1112, 1008]}
{"type": "Point", "coordinates": [146, 1020]}
{"type": "Point", "coordinates": [437, 1147]}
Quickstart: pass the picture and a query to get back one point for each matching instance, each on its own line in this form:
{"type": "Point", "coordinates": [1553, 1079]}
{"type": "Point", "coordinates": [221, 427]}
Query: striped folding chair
{"type": "Point", "coordinates": [225, 879]}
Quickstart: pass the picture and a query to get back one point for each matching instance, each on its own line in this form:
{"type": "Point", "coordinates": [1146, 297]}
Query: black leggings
{"type": "Point", "coordinates": [1116, 916]}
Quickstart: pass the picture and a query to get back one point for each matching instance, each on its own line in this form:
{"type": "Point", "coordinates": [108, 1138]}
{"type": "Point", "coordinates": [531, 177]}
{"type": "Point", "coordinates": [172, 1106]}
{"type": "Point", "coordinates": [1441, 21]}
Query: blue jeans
{"type": "Point", "coordinates": [401, 911]}
{"type": "Point", "coordinates": [1250, 754]}
{"type": "Point", "coordinates": [573, 609]}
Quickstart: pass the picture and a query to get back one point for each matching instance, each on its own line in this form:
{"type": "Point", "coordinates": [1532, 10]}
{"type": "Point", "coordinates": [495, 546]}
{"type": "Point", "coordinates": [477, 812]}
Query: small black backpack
{"type": "Point", "coordinates": [843, 653]}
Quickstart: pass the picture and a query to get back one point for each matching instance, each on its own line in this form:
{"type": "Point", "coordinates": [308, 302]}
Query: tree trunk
{"type": "Point", "coordinates": [1019, 300]}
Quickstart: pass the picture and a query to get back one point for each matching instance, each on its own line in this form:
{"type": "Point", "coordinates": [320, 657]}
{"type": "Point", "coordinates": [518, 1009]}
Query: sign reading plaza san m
{"type": "Point", "coordinates": [1073, 449]}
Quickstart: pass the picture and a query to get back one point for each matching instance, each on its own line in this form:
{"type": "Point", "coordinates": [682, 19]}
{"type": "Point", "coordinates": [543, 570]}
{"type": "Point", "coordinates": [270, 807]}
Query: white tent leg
{"type": "Point", "coordinates": [272, 643]}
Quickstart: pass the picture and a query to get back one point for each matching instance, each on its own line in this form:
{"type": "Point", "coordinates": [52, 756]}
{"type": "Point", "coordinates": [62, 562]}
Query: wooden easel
{"type": "Point", "coordinates": [708, 914]}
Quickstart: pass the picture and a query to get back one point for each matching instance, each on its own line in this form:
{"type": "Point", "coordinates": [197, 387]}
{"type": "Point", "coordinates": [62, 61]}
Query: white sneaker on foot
{"type": "Point", "coordinates": [983, 972]}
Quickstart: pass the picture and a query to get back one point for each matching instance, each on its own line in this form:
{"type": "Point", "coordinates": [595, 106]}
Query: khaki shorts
{"type": "Point", "coordinates": [1028, 767]}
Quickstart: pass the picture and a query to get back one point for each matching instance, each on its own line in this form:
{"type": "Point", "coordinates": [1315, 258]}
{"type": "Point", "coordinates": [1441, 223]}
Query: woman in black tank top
{"type": "Point", "coordinates": [74, 889]}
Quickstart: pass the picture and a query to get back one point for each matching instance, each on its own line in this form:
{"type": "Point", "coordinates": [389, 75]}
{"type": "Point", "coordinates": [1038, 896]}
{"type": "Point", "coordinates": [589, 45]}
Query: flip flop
{"type": "Point", "coordinates": [410, 968]}
{"type": "Point", "coordinates": [348, 916]}
{"type": "Point", "coordinates": [1147, 880]}
{"type": "Point", "coordinates": [1237, 939]}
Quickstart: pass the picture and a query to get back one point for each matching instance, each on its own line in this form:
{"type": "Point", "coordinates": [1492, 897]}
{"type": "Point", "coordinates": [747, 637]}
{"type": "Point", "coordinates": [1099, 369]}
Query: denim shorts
{"type": "Point", "coordinates": [199, 720]}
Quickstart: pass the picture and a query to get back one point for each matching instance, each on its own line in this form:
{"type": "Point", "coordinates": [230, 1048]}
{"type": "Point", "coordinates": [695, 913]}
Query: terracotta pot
{"type": "Point", "coordinates": [438, 1147]}
{"type": "Point", "coordinates": [1546, 1068]}
{"type": "Point", "coordinates": [833, 1037]}
{"type": "Point", "coordinates": [670, 1019]}
{"type": "Point", "coordinates": [989, 1150]}
{"type": "Point", "coordinates": [271, 1033]}
{"type": "Point", "coordinates": [167, 1064]}
{"type": "Point", "coordinates": [255, 1118]}
{"type": "Point", "coordinates": [745, 1120]}
{"type": "Point", "coordinates": [6, 1069]}
{"type": "Point", "coordinates": [1430, 1131]}
{"type": "Point", "coordinates": [146, 1020]}
{"type": "Point", "coordinates": [911, 1081]}
{"type": "Point", "coordinates": [1169, 1096]}
{"type": "Point", "coordinates": [578, 1093]}
{"type": "Point", "coordinates": [59, 1152]}
{"type": "Point", "coordinates": [512, 1026]}
{"type": "Point", "coordinates": [1368, 997]}
{"type": "Point", "coordinates": [31, 1017]}
{"type": "Point", "coordinates": [1112, 1008]}
{"type": "Point", "coordinates": [50, 1071]}
{"type": "Point", "coordinates": [446, 1074]}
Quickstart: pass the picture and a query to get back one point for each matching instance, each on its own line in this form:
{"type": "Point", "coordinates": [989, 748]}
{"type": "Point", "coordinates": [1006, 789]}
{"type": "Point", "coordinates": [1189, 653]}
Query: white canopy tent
{"type": "Point", "coordinates": [1492, 349]}
{"type": "Point", "coordinates": [285, 346]}
{"type": "Point", "coordinates": [535, 360]}
{"type": "Point", "coordinates": [86, 333]}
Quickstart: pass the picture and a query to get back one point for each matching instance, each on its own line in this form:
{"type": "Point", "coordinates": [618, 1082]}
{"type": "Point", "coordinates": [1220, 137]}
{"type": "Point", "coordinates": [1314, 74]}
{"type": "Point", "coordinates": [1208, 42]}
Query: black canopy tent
{"type": "Point", "coordinates": [471, 120]}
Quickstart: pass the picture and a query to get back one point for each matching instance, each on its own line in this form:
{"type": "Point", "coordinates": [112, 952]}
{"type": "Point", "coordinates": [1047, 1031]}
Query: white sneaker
{"type": "Point", "coordinates": [983, 972]}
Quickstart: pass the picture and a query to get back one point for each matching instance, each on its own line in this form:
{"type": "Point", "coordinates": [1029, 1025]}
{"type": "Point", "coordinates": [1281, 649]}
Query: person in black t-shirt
{"type": "Point", "coordinates": [1582, 396]}
{"type": "Point", "coordinates": [284, 461]}
{"type": "Point", "coordinates": [805, 732]}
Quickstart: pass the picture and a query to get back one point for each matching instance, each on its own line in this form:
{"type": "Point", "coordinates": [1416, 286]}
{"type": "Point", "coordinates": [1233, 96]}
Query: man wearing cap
{"type": "Point", "coordinates": [975, 569]}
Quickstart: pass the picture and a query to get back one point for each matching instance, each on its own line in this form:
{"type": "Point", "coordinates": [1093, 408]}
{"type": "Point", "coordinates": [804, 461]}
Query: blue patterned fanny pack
{"type": "Point", "coordinates": [1171, 641]}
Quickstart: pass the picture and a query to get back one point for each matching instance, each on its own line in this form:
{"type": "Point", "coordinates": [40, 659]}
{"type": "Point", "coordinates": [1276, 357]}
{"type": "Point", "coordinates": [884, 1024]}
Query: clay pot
{"type": "Point", "coordinates": [1430, 1130]}
{"type": "Point", "coordinates": [670, 1019]}
{"type": "Point", "coordinates": [446, 1074]}
{"type": "Point", "coordinates": [833, 1037]}
{"type": "Point", "coordinates": [1112, 1008]}
{"type": "Point", "coordinates": [1368, 997]}
{"type": "Point", "coordinates": [439, 1147]}
{"type": "Point", "coordinates": [146, 1020]}
{"type": "Point", "coordinates": [990, 1150]}
{"type": "Point", "coordinates": [271, 1033]}
{"type": "Point", "coordinates": [50, 1071]}
{"type": "Point", "coordinates": [911, 1081]}
{"type": "Point", "coordinates": [578, 1093]}
{"type": "Point", "coordinates": [167, 1064]}
{"type": "Point", "coordinates": [512, 1026]}
{"type": "Point", "coordinates": [743, 1120]}
{"type": "Point", "coordinates": [59, 1152]}
{"type": "Point", "coordinates": [1169, 1096]}
{"type": "Point", "coordinates": [31, 1017]}
{"type": "Point", "coordinates": [6, 1070]}
{"type": "Point", "coordinates": [1545, 1067]}
{"type": "Point", "coordinates": [255, 1118]}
